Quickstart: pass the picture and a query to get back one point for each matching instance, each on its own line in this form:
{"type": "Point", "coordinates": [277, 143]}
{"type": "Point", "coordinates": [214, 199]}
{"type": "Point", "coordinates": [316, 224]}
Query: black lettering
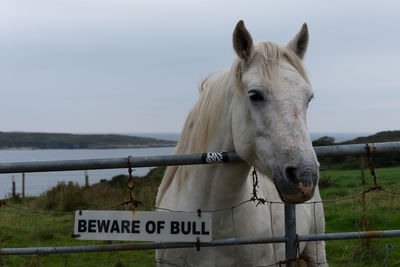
{"type": "Point", "coordinates": [203, 229]}
{"type": "Point", "coordinates": [92, 226]}
{"type": "Point", "coordinates": [150, 227]}
{"type": "Point", "coordinates": [160, 225]}
{"type": "Point", "coordinates": [125, 226]}
{"type": "Point", "coordinates": [103, 225]}
{"type": "Point", "coordinates": [115, 227]}
{"type": "Point", "coordinates": [174, 228]}
{"type": "Point", "coordinates": [82, 226]}
{"type": "Point", "coordinates": [135, 227]}
{"type": "Point", "coordinates": [187, 230]}
{"type": "Point", "coordinates": [194, 229]}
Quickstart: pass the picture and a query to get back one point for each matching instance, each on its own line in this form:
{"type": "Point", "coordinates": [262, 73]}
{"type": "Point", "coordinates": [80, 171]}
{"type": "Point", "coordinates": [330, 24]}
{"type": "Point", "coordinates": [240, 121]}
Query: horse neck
{"type": "Point", "coordinates": [220, 185]}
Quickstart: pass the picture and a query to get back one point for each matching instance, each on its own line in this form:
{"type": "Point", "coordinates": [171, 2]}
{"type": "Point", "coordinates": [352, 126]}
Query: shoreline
{"type": "Point", "coordinates": [94, 148]}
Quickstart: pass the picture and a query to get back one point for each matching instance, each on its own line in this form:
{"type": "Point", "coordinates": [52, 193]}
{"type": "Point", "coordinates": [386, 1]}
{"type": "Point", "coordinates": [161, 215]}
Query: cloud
{"type": "Point", "coordinates": [82, 66]}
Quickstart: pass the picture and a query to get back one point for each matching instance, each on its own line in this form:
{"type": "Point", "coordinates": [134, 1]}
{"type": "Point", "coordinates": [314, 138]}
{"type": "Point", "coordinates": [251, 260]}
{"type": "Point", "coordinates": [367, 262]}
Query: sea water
{"type": "Point", "coordinates": [37, 183]}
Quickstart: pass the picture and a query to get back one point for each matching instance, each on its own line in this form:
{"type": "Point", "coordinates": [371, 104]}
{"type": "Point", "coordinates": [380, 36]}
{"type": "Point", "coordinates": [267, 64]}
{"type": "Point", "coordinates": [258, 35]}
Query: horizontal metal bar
{"type": "Point", "coordinates": [214, 243]}
{"type": "Point", "coordinates": [349, 235]}
{"type": "Point", "coordinates": [357, 149]}
{"type": "Point", "coordinates": [111, 163]}
{"type": "Point", "coordinates": [139, 246]}
{"type": "Point", "coordinates": [169, 160]}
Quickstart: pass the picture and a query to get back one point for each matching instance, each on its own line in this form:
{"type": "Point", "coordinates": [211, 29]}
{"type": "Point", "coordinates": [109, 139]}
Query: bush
{"type": "Point", "coordinates": [64, 197]}
{"type": "Point", "coordinates": [119, 180]}
{"type": "Point", "coordinates": [324, 141]}
{"type": "Point", "coordinates": [107, 193]}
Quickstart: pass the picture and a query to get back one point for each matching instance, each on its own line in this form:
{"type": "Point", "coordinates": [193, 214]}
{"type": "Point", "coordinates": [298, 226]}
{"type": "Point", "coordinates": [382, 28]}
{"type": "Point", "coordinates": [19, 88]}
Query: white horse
{"type": "Point", "coordinates": [258, 109]}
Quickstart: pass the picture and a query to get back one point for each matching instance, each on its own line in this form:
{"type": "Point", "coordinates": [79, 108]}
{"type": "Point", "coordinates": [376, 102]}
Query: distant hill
{"type": "Point", "coordinates": [353, 162]}
{"type": "Point", "coordinates": [10, 140]}
{"type": "Point", "coordinates": [386, 136]}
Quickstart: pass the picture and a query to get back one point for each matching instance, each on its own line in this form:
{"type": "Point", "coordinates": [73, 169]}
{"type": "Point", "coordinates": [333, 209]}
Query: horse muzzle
{"type": "Point", "coordinates": [296, 184]}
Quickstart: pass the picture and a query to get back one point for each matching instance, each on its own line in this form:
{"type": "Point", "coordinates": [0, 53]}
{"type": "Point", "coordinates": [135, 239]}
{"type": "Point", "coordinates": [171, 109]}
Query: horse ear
{"type": "Point", "coordinates": [300, 42]}
{"type": "Point", "coordinates": [242, 42]}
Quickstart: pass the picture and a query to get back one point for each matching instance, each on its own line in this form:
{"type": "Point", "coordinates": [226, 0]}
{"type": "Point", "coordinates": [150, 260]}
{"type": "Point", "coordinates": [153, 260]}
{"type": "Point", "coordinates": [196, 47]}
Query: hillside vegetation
{"type": "Point", "coordinates": [68, 141]}
{"type": "Point", "coordinates": [354, 162]}
{"type": "Point", "coordinates": [386, 136]}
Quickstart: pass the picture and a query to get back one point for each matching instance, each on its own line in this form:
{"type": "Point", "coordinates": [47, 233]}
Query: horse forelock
{"type": "Point", "coordinates": [268, 56]}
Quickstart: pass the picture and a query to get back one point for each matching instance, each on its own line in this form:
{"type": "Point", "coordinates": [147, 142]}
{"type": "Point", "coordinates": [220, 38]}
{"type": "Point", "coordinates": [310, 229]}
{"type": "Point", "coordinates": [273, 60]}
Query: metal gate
{"type": "Point", "coordinates": [290, 238]}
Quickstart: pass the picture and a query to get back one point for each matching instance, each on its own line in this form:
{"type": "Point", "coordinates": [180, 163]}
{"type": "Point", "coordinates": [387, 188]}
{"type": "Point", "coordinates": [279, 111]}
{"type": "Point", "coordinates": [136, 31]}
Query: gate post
{"type": "Point", "coordinates": [290, 234]}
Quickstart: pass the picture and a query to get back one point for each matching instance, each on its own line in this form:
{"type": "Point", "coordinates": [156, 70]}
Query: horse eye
{"type": "Point", "coordinates": [255, 96]}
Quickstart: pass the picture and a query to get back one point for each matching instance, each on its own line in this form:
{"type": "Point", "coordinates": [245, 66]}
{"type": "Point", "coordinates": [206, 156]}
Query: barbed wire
{"type": "Point", "coordinates": [153, 207]}
{"type": "Point", "coordinates": [39, 211]}
{"type": "Point", "coordinates": [131, 182]}
{"type": "Point", "coordinates": [253, 198]}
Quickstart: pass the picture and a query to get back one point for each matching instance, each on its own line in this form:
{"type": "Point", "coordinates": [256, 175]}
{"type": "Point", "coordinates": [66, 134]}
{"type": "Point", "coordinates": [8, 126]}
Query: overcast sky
{"type": "Point", "coordinates": [134, 66]}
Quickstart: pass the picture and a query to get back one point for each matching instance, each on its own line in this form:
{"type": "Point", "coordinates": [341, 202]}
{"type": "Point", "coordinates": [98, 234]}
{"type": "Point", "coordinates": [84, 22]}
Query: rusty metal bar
{"type": "Point", "coordinates": [349, 235]}
{"type": "Point", "coordinates": [214, 243]}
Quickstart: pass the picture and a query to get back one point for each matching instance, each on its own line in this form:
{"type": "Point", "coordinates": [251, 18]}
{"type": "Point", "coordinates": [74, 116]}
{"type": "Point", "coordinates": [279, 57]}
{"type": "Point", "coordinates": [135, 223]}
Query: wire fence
{"type": "Point", "coordinates": [361, 223]}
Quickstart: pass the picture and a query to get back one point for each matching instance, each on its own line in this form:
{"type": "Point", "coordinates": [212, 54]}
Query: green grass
{"type": "Point", "coordinates": [19, 228]}
{"type": "Point", "coordinates": [24, 229]}
{"type": "Point", "coordinates": [382, 213]}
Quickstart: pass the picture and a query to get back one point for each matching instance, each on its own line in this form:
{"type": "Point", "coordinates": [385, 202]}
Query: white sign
{"type": "Point", "coordinates": [143, 226]}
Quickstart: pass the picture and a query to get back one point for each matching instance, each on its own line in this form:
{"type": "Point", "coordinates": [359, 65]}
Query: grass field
{"type": "Point", "coordinates": [382, 213]}
{"type": "Point", "coordinates": [21, 228]}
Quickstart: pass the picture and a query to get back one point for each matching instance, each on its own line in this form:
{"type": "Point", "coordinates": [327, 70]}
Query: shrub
{"type": "Point", "coordinates": [64, 197]}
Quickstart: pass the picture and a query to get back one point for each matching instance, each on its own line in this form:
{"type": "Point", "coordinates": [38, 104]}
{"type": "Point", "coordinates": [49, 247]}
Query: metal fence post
{"type": "Point", "coordinates": [290, 234]}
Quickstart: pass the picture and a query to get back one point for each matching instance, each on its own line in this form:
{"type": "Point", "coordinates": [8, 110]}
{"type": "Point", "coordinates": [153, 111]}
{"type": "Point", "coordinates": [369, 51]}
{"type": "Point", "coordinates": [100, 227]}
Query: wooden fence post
{"type": "Point", "coordinates": [23, 185]}
{"type": "Point", "coordinates": [86, 179]}
{"type": "Point", "coordinates": [13, 188]}
{"type": "Point", "coordinates": [362, 169]}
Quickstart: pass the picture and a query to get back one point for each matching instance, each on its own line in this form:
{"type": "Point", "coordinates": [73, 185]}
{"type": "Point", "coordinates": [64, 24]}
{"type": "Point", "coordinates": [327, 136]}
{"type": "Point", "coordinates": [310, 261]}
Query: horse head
{"type": "Point", "coordinates": [271, 94]}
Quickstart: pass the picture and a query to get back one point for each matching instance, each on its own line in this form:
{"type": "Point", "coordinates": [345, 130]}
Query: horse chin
{"type": "Point", "coordinates": [292, 193]}
{"type": "Point", "coordinates": [299, 197]}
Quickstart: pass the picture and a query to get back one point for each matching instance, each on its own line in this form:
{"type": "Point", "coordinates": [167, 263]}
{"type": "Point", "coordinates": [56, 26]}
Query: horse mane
{"type": "Point", "coordinates": [205, 115]}
{"type": "Point", "coordinates": [272, 53]}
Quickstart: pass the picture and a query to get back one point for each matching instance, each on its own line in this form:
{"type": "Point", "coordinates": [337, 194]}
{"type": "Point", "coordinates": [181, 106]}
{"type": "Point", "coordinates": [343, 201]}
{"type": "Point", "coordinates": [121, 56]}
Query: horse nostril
{"type": "Point", "coordinates": [290, 173]}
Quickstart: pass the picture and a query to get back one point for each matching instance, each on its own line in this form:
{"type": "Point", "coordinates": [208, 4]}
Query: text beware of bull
{"type": "Point", "coordinates": [142, 226]}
